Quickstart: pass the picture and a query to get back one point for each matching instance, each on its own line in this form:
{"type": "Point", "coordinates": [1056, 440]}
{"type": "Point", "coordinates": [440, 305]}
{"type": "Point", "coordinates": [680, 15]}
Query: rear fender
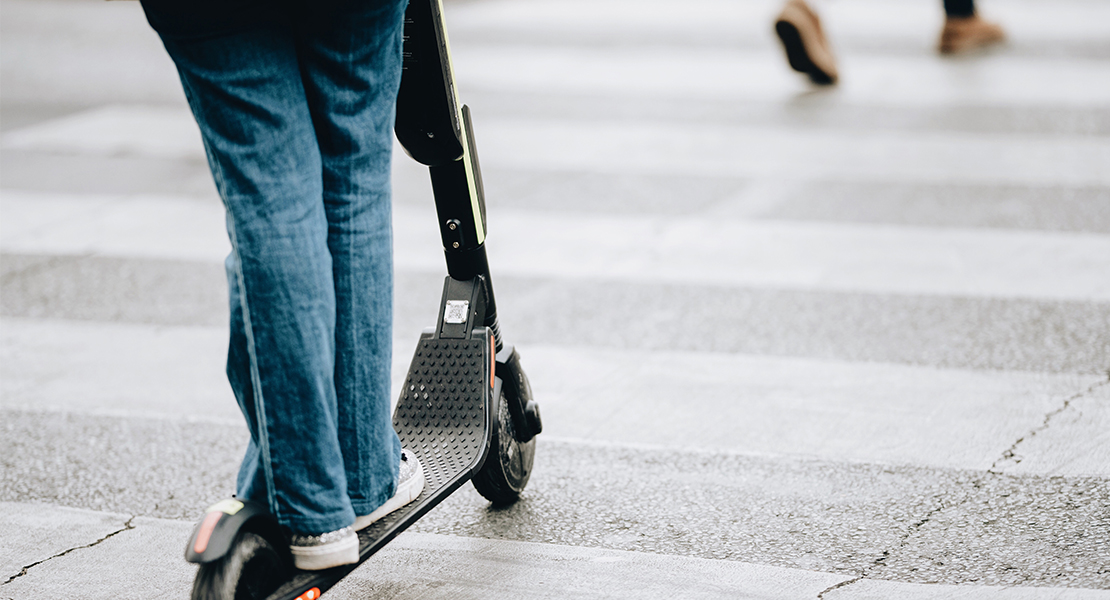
{"type": "Point", "coordinates": [215, 533]}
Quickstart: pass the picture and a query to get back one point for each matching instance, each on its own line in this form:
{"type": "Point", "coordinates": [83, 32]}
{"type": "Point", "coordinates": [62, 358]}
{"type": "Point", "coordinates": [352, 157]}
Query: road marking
{"type": "Point", "coordinates": [661, 148]}
{"type": "Point", "coordinates": [745, 75]}
{"type": "Point", "coordinates": [834, 410]}
{"type": "Point", "coordinates": [671, 148]}
{"type": "Point", "coordinates": [805, 256]}
{"type": "Point", "coordinates": [128, 370]}
{"type": "Point", "coordinates": [116, 369]}
{"type": "Point", "coordinates": [724, 21]}
{"type": "Point", "coordinates": [828, 409]}
{"type": "Point", "coordinates": [873, 258]}
{"type": "Point", "coordinates": [451, 566]}
{"type": "Point", "coordinates": [122, 226]}
{"type": "Point", "coordinates": [36, 532]}
{"type": "Point", "coordinates": [1073, 441]}
{"type": "Point", "coordinates": [155, 131]}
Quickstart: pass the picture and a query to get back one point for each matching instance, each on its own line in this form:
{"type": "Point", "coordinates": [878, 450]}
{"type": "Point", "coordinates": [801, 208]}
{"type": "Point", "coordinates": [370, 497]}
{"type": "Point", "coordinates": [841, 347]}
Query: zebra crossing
{"type": "Point", "coordinates": [789, 342]}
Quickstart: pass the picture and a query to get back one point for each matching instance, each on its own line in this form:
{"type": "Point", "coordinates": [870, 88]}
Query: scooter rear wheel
{"type": "Point", "coordinates": [509, 464]}
{"type": "Point", "coordinates": [250, 570]}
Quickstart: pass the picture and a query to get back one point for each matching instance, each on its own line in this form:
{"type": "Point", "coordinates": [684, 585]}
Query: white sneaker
{"type": "Point", "coordinates": [340, 547]}
{"type": "Point", "coordinates": [409, 486]}
{"type": "Point", "coordinates": [326, 550]}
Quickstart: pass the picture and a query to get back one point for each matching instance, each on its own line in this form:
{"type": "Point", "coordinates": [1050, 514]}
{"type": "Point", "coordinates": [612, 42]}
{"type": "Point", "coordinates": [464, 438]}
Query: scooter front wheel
{"type": "Point", "coordinates": [509, 464]}
{"type": "Point", "coordinates": [252, 569]}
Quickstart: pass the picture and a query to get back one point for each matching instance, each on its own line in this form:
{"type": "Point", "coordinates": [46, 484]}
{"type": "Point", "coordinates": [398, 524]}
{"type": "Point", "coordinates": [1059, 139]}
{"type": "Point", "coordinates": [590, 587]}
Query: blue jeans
{"type": "Point", "coordinates": [297, 118]}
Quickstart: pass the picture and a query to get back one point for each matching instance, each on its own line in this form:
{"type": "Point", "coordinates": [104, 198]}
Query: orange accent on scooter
{"type": "Point", "coordinates": [205, 532]}
{"type": "Point", "coordinates": [312, 594]}
{"type": "Point", "coordinates": [492, 360]}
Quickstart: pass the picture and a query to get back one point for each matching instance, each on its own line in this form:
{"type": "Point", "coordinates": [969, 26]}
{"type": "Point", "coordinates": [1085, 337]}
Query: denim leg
{"type": "Point", "coordinates": [246, 93]}
{"type": "Point", "coordinates": [351, 72]}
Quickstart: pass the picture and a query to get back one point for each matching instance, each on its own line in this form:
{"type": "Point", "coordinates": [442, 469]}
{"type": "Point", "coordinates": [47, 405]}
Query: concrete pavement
{"type": "Point", "coordinates": [423, 565]}
{"type": "Point", "coordinates": [789, 342]}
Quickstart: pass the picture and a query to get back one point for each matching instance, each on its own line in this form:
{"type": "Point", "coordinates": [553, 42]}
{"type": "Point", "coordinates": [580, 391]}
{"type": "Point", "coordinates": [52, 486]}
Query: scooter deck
{"type": "Point", "coordinates": [444, 417]}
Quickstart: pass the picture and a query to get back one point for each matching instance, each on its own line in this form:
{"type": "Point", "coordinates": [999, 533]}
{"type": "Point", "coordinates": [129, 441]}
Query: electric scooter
{"type": "Point", "coordinates": [466, 408]}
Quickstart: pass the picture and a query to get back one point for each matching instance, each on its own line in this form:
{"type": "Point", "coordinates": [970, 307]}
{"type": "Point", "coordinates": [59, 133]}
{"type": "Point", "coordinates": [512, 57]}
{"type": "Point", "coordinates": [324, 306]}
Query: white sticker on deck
{"type": "Point", "coordinates": [456, 311]}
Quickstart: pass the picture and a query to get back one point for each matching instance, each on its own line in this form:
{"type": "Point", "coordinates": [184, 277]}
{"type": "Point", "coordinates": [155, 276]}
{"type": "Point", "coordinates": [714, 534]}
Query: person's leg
{"type": "Point", "coordinates": [803, 39]}
{"type": "Point", "coordinates": [959, 8]}
{"type": "Point", "coordinates": [246, 93]}
{"type": "Point", "coordinates": [351, 66]}
{"type": "Point", "coordinates": [964, 30]}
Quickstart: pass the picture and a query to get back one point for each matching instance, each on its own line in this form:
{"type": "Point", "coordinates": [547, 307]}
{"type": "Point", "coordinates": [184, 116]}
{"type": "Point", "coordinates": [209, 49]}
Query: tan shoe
{"type": "Point", "coordinates": [807, 50]}
{"type": "Point", "coordinates": [961, 34]}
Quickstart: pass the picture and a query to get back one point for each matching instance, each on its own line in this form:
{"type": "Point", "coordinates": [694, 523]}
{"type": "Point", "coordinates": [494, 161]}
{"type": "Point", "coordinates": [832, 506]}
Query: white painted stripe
{"type": "Point", "coordinates": [505, 570]}
{"type": "Point", "coordinates": [672, 148]}
{"type": "Point", "coordinates": [123, 226]}
{"type": "Point", "coordinates": [126, 370]}
{"type": "Point", "coordinates": [743, 75]}
{"type": "Point", "coordinates": [116, 369]}
{"type": "Point", "coordinates": [1075, 440]}
{"type": "Point", "coordinates": [870, 258]}
{"type": "Point", "coordinates": [37, 532]}
{"type": "Point", "coordinates": [800, 255]}
{"type": "Point", "coordinates": [158, 131]}
{"type": "Point", "coordinates": [833, 410]}
{"type": "Point", "coordinates": [632, 147]}
{"type": "Point", "coordinates": [916, 21]}
{"type": "Point", "coordinates": [1025, 22]}
{"type": "Point", "coordinates": [446, 566]}
{"type": "Point", "coordinates": [688, 50]}
{"type": "Point", "coordinates": [689, 401]}
{"type": "Point", "coordinates": [878, 589]}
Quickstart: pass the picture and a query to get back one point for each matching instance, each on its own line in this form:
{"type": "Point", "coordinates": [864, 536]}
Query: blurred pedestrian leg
{"type": "Point", "coordinates": [965, 30]}
{"type": "Point", "coordinates": [808, 50]}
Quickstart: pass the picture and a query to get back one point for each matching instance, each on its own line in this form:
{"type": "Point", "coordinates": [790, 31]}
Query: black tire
{"type": "Point", "coordinates": [509, 464]}
{"type": "Point", "coordinates": [251, 570]}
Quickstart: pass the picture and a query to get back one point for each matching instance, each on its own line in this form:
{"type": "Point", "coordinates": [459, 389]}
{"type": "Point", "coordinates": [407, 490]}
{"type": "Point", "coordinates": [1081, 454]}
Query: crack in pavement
{"type": "Point", "coordinates": [995, 470]}
{"type": "Point", "coordinates": [878, 562]}
{"type": "Point", "coordinates": [845, 583]}
{"type": "Point", "coordinates": [126, 527]}
{"type": "Point", "coordinates": [1010, 457]}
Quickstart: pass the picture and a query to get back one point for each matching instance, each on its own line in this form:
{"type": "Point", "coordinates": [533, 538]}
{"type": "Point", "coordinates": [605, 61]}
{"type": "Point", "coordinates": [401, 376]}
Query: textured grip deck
{"type": "Point", "coordinates": [443, 417]}
{"type": "Point", "coordinates": [442, 414]}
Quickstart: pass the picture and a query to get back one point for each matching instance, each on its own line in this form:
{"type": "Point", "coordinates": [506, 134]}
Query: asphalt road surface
{"type": "Point", "coordinates": [789, 342]}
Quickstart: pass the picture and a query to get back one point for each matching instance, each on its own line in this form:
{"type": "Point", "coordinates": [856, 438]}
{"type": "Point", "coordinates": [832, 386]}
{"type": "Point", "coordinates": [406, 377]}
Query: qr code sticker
{"type": "Point", "coordinates": [456, 311]}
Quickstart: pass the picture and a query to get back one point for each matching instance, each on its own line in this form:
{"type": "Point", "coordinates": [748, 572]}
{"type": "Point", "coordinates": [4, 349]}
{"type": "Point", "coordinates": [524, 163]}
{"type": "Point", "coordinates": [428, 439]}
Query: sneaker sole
{"type": "Point", "coordinates": [796, 53]}
{"type": "Point", "coordinates": [316, 558]}
{"type": "Point", "coordinates": [406, 493]}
